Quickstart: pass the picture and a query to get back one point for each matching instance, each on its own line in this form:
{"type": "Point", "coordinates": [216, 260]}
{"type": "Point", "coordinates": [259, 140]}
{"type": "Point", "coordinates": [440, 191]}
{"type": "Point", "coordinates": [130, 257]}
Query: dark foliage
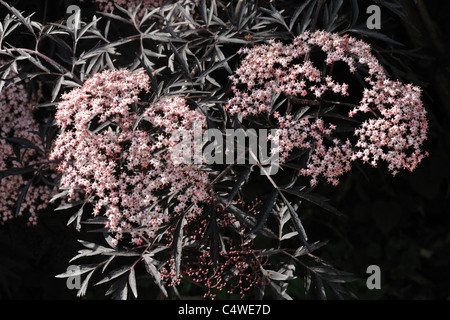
{"type": "Point", "coordinates": [320, 240]}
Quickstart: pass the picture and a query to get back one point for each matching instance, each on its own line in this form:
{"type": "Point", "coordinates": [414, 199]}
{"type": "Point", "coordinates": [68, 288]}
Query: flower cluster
{"type": "Point", "coordinates": [328, 161]}
{"type": "Point", "coordinates": [122, 156]}
{"type": "Point", "coordinates": [17, 121]}
{"type": "Point", "coordinates": [272, 69]}
{"type": "Point", "coordinates": [397, 134]}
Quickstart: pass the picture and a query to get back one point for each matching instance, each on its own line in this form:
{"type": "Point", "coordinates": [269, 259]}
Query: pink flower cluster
{"type": "Point", "coordinates": [16, 120]}
{"type": "Point", "coordinates": [329, 162]}
{"type": "Point", "coordinates": [122, 156]}
{"type": "Point", "coordinates": [395, 134]}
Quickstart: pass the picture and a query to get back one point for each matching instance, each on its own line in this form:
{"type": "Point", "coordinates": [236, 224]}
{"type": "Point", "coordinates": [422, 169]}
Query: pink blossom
{"type": "Point", "coordinates": [16, 120]}
{"type": "Point", "coordinates": [125, 165]}
{"type": "Point", "coordinates": [395, 134]}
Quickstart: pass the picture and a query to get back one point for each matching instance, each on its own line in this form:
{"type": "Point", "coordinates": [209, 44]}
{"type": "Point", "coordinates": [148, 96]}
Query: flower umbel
{"type": "Point", "coordinates": [395, 131]}
{"type": "Point", "coordinates": [120, 153]}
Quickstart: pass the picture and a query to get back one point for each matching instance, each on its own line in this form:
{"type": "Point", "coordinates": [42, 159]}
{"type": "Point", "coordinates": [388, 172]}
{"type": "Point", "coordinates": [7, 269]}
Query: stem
{"type": "Point", "coordinates": [51, 61]}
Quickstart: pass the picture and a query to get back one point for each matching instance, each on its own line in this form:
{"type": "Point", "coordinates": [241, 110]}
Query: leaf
{"type": "Point", "coordinates": [56, 88]}
{"type": "Point", "coordinates": [265, 212]}
{"type": "Point", "coordinates": [104, 48]}
{"type": "Point", "coordinates": [22, 195]}
{"type": "Point", "coordinates": [114, 274]}
{"type": "Point", "coordinates": [297, 222]}
{"type": "Point", "coordinates": [193, 23]}
{"type": "Point", "coordinates": [320, 289]}
{"type": "Point", "coordinates": [240, 215]}
{"type": "Point", "coordinates": [214, 67]}
{"type": "Point", "coordinates": [119, 289]}
{"type": "Point", "coordinates": [73, 272]}
{"type": "Point", "coordinates": [153, 271]}
{"type": "Point", "coordinates": [87, 27]}
{"type": "Point", "coordinates": [376, 35]}
{"type": "Point", "coordinates": [316, 199]}
{"type": "Point", "coordinates": [203, 10]}
{"type": "Point", "coordinates": [221, 56]}
{"type": "Point", "coordinates": [211, 12]}
{"type": "Point", "coordinates": [296, 13]}
{"type": "Point", "coordinates": [82, 291]}
{"type": "Point", "coordinates": [23, 142]}
{"type": "Point", "coordinates": [25, 21]}
{"type": "Point", "coordinates": [35, 61]}
{"type": "Point", "coordinates": [69, 205]}
{"type": "Point", "coordinates": [212, 230]}
{"type": "Point", "coordinates": [94, 249]}
{"type": "Point", "coordinates": [276, 17]}
{"type": "Point", "coordinates": [59, 195]}
{"type": "Point", "coordinates": [15, 171]}
{"type": "Point", "coordinates": [132, 282]}
{"type": "Point", "coordinates": [306, 19]}
{"type": "Point", "coordinates": [247, 219]}
{"type": "Point", "coordinates": [243, 178]}
{"type": "Point", "coordinates": [289, 235]}
{"type": "Point", "coordinates": [77, 215]}
{"type": "Point", "coordinates": [178, 243]}
{"type": "Point", "coordinates": [229, 39]}
{"type": "Point", "coordinates": [312, 247]}
{"type": "Point", "coordinates": [182, 60]}
{"type": "Point", "coordinates": [275, 275]}
{"type": "Point", "coordinates": [279, 292]}
{"type": "Point", "coordinates": [334, 14]}
{"type": "Point", "coordinates": [307, 281]}
{"type": "Point", "coordinates": [355, 12]}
